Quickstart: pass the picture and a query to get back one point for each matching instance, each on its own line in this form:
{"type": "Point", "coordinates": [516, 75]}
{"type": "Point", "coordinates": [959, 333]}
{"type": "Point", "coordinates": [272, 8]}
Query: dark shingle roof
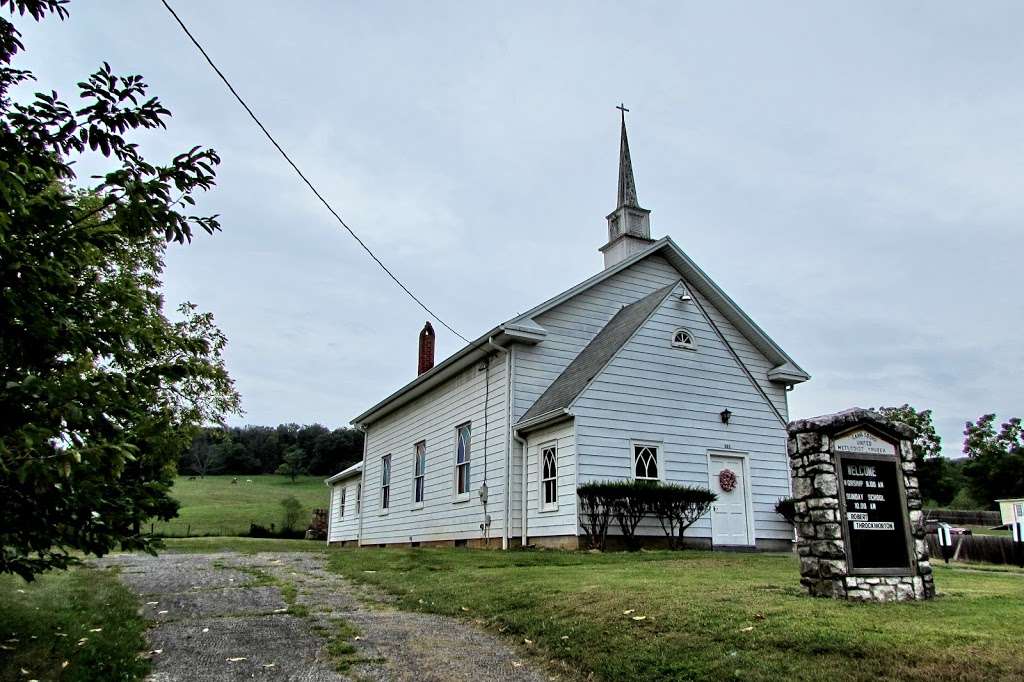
{"type": "Point", "coordinates": [592, 359]}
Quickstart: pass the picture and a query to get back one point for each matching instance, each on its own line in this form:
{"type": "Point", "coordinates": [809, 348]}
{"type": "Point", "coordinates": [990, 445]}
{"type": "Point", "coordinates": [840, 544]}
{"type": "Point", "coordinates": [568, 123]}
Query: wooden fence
{"type": "Point", "coordinates": [960, 517]}
{"type": "Point", "coordinates": [992, 549]}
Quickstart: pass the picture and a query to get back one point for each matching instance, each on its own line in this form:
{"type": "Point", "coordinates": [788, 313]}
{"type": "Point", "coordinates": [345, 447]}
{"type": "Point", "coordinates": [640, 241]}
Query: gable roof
{"type": "Point", "coordinates": [598, 353]}
{"type": "Point", "coordinates": [695, 278]}
{"type": "Point", "coordinates": [523, 328]}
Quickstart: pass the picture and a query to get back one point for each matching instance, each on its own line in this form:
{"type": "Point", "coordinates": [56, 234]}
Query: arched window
{"type": "Point", "coordinates": [549, 477]}
{"type": "Point", "coordinates": [683, 338]}
{"type": "Point", "coordinates": [645, 462]}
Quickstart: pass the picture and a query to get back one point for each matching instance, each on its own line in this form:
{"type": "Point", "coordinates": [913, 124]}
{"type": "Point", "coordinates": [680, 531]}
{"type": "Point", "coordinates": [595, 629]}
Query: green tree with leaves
{"type": "Point", "coordinates": [101, 390]}
{"type": "Point", "coordinates": [940, 481]}
{"type": "Point", "coordinates": [291, 514]}
{"type": "Point", "coordinates": [995, 465]}
{"type": "Point", "coordinates": [293, 463]}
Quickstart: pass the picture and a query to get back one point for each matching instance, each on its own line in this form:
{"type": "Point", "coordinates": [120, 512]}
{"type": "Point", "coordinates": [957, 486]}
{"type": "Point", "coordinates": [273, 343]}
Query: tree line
{"type": "Point", "coordinates": [993, 466]}
{"type": "Point", "coordinates": [288, 449]}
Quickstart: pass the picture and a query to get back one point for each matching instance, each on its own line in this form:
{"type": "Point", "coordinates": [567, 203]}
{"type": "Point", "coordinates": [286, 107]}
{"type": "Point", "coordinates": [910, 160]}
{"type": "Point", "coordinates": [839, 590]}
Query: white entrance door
{"type": "Point", "coordinates": [729, 522]}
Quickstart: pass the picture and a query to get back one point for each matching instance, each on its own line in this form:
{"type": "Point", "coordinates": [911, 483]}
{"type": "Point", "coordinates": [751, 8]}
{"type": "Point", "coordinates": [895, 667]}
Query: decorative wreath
{"type": "Point", "coordinates": [727, 480]}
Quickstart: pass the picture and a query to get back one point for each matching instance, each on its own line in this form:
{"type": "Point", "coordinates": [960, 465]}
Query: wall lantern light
{"type": "Point", "coordinates": [725, 414]}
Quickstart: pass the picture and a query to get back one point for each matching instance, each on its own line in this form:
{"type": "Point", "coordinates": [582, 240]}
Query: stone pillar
{"type": "Point", "coordinates": [860, 530]}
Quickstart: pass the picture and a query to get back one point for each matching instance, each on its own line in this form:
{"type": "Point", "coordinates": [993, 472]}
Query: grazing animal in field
{"type": "Point", "coordinates": [191, 478]}
{"type": "Point", "coordinates": [248, 480]}
{"type": "Point", "coordinates": [234, 481]}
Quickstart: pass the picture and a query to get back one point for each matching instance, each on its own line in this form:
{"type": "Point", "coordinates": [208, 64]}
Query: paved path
{"type": "Point", "coordinates": [270, 616]}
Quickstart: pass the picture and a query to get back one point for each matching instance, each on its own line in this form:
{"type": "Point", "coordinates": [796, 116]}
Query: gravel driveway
{"type": "Point", "coordinates": [272, 616]}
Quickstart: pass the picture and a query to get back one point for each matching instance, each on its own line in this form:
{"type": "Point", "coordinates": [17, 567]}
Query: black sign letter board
{"type": "Point", "coordinates": [873, 505]}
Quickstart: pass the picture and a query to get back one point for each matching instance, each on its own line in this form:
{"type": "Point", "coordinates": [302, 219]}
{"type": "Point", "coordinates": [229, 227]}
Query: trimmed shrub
{"type": "Point", "coordinates": [631, 501]}
{"type": "Point", "coordinates": [595, 513]}
{"type": "Point", "coordinates": [786, 508]}
{"type": "Point", "coordinates": [677, 507]}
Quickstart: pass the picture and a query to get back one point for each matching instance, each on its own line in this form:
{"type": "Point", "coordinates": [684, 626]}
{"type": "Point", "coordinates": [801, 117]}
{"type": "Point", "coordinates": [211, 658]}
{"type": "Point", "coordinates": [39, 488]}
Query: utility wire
{"type": "Point", "coordinates": [302, 175]}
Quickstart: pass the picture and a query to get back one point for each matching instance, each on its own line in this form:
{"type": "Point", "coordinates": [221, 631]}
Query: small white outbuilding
{"type": "Point", "coordinates": [1011, 510]}
{"type": "Point", "coordinates": [346, 493]}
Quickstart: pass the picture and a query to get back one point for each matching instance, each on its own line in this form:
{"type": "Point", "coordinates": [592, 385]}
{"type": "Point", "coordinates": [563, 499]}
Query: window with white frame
{"type": "Point", "coordinates": [548, 477]}
{"type": "Point", "coordinates": [1020, 510]}
{"type": "Point", "coordinates": [419, 471]}
{"type": "Point", "coordinates": [359, 497]}
{"type": "Point", "coordinates": [645, 461]}
{"type": "Point", "coordinates": [683, 338]}
{"type": "Point", "coordinates": [463, 436]}
{"type": "Point", "coordinates": [385, 482]}
{"type": "Point", "coordinates": [341, 503]}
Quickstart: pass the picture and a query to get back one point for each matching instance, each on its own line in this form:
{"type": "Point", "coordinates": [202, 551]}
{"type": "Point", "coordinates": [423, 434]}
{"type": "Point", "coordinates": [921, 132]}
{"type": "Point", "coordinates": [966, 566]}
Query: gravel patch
{"type": "Point", "coordinates": [213, 608]}
{"type": "Point", "coordinates": [231, 601]}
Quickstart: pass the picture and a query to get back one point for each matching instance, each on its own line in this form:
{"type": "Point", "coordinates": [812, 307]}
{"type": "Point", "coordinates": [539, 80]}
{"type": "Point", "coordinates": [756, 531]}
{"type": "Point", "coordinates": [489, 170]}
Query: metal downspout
{"type": "Point", "coordinates": [508, 439]}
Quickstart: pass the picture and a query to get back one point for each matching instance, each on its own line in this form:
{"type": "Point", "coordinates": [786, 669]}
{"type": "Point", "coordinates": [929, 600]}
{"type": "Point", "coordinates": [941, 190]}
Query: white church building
{"type": "Point", "coordinates": [646, 370]}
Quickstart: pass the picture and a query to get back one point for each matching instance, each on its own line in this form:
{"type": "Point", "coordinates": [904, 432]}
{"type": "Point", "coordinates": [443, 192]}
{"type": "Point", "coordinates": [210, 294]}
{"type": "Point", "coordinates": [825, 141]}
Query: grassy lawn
{"type": "Point", "coordinates": [215, 506]}
{"type": "Point", "coordinates": [708, 616]}
{"type": "Point", "coordinates": [207, 545]}
{"type": "Point", "coordinates": [70, 625]}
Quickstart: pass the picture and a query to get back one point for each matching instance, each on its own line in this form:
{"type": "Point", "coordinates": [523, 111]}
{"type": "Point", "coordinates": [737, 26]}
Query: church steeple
{"type": "Point", "coordinates": [629, 226]}
{"type": "Point", "coordinates": [627, 185]}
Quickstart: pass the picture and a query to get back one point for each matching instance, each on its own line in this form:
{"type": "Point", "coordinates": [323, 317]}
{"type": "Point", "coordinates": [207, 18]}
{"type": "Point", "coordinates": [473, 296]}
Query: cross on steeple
{"type": "Point", "coordinates": [627, 187]}
{"type": "Point", "coordinates": [629, 226]}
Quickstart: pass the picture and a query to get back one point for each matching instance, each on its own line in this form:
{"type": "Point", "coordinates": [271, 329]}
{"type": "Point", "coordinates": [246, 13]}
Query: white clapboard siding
{"type": "Point", "coordinates": [343, 526]}
{"type": "Point", "coordinates": [654, 392]}
{"type": "Point", "coordinates": [433, 418]}
{"type": "Point", "coordinates": [757, 363]}
{"type": "Point", "coordinates": [560, 521]}
{"type": "Point", "coordinates": [573, 324]}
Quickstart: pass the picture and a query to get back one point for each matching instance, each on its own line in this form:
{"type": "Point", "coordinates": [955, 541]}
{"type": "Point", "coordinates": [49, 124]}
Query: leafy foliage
{"type": "Point", "coordinates": [939, 478]}
{"type": "Point", "coordinates": [101, 390]}
{"type": "Point", "coordinates": [786, 508]}
{"type": "Point", "coordinates": [995, 468]}
{"type": "Point", "coordinates": [291, 513]}
{"type": "Point", "coordinates": [292, 464]}
{"type": "Point", "coordinates": [675, 506]}
{"type": "Point", "coordinates": [243, 450]}
{"type": "Point", "coordinates": [595, 513]}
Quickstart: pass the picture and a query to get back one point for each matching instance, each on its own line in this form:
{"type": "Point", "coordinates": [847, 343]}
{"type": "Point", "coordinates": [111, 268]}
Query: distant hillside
{"type": "Point", "coordinates": [215, 506]}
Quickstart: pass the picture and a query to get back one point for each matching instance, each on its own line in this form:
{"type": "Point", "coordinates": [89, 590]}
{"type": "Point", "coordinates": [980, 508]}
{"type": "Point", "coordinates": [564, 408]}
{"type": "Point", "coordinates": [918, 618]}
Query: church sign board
{"type": "Point", "coordinates": [857, 503]}
{"type": "Point", "coordinates": [873, 504]}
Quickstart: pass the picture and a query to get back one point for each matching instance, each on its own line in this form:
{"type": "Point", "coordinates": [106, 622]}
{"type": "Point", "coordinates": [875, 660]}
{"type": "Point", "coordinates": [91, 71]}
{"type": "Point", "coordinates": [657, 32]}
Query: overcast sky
{"type": "Point", "coordinates": [850, 173]}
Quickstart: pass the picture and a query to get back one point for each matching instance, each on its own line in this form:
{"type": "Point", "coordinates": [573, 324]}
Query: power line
{"type": "Point", "coordinates": [302, 175]}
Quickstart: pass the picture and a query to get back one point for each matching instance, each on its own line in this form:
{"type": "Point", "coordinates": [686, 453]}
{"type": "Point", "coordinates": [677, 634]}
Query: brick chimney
{"type": "Point", "coordinates": [426, 355]}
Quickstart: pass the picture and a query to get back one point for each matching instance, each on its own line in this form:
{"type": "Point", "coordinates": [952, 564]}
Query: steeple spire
{"type": "Point", "coordinates": [627, 185]}
{"type": "Point", "coordinates": [629, 226]}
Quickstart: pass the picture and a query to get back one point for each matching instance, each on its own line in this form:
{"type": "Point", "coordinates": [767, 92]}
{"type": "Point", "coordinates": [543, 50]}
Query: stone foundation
{"type": "Point", "coordinates": [821, 528]}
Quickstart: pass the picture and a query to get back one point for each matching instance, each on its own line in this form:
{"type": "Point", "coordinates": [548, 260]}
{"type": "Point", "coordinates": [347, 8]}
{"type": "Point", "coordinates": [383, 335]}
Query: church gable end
{"type": "Point", "coordinates": [658, 392]}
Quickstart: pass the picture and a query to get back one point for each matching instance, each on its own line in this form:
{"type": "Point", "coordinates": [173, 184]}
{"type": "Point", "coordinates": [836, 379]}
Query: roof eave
{"type": "Point", "coordinates": [356, 468]}
{"type": "Point", "coordinates": [787, 374]}
{"type": "Point", "coordinates": [441, 372]}
{"type": "Point", "coordinates": [540, 420]}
